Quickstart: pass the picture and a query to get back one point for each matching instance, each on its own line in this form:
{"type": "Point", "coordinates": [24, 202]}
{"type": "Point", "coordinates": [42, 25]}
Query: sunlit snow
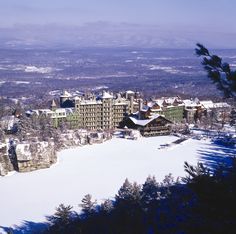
{"type": "Point", "coordinates": [98, 169]}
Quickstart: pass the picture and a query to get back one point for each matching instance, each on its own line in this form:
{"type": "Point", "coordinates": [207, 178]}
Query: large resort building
{"type": "Point", "coordinates": [104, 111]}
{"type": "Point", "coordinates": [109, 111]}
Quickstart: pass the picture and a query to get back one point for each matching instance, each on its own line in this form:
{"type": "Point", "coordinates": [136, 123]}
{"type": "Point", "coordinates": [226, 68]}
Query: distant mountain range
{"type": "Point", "coordinates": [103, 34]}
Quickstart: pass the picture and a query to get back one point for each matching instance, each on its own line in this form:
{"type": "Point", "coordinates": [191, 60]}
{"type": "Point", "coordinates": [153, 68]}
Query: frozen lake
{"type": "Point", "coordinates": [96, 169]}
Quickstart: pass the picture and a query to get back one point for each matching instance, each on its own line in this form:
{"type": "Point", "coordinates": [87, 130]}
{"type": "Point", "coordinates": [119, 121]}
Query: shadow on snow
{"type": "Point", "coordinates": [217, 155]}
{"type": "Point", "coordinates": [28, 227]}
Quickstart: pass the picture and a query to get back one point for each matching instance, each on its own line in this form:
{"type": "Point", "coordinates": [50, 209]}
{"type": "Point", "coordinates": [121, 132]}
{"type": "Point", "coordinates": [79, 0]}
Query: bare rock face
{"type": "Point", "coordinates": [35, 155]}
{"type": "Point", "coordinates": [5, 163]}
{"type": "Point", "coordinates": [30, 155]}
{"type": "Point", "coordinates": [82, 137]}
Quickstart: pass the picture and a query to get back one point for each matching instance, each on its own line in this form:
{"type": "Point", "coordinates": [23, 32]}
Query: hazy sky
{"type": "Point", "coordinates": [200, 14]}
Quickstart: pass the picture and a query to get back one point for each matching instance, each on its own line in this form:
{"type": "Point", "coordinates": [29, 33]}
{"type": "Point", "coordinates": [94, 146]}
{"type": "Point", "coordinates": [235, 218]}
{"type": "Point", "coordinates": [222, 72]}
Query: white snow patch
{"type": "Point", "coordinates": [99, 87]}
{"type": "Point", "coordinates": [165, 58]}
{"type": "Point", "coordinates": [164, 68]}
{"type": "Point", "coordinates": [21, 82]}
{"type": "Point", "coordinates": [42, 70]}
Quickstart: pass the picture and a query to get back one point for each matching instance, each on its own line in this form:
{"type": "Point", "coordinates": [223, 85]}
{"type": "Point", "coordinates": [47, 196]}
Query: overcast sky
{"type": "Point", "coordinates": [216, 15]}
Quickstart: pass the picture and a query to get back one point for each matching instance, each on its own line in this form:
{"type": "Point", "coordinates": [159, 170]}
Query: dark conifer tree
{"type": "Point", "coordinates": [88, 205]}
{"type": "Point", "coordinates": [150, 191]}
{"type": "Point", "coordinates": [61, 219]}
{"type": "Point", "coordinates": [107, 206]}
{"type": "Point", "coordinates": [218, 71]}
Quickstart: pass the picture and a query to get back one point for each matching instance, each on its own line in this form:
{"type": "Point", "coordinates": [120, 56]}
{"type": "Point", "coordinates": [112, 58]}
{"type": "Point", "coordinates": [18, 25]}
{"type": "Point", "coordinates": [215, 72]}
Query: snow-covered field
{"type": "Point", "coordinates": [96, 169]}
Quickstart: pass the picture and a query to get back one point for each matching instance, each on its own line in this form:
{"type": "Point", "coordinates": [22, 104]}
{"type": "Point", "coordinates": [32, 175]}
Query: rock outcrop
{"type": "Point", "coordinates": [5, 163]}
{"type": "Point", "coordinates": [81, 137]}
{"type": "Point", "coordinates": [33, 154]}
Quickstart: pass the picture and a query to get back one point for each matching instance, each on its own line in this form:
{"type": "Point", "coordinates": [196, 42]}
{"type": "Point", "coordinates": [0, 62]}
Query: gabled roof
{"type": "Point", "coordinates": [144, 122]}
{"type": "Point", "coordinates": [192, 103]}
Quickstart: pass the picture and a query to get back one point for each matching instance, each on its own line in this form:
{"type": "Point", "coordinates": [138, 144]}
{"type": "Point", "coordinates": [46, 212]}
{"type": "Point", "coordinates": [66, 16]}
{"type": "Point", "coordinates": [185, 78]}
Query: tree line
{"type": "Point", "coordinates": [202, 202]}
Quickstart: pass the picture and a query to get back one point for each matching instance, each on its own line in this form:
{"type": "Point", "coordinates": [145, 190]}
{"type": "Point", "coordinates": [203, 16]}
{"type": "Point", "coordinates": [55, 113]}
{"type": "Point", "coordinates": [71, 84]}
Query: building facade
{"type": "Point", "coordinates": [107, 111]}
{"type": "Point", "coordinates": [104, 111]}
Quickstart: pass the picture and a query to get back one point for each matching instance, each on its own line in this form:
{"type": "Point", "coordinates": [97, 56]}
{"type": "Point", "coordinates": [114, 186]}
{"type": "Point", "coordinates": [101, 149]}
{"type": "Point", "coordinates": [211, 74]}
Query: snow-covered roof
{"type": "Point", "coordinates": [47, 111]}
{"type": "Point", "coordinates": [69, 110]}
{"type": "Point", "coordinates": [207, 104]}
{"type": "Point", "coordinates": [29, 112]}
{"type": "Point", "coordinates": [169, 100]}
{"type": "Point", "coordinates": [221, 105]}
{"type": "Point", "coordinates": [141, 122]}
{"type": "Point", "coordinates": [144, 122]}
{"type": "Point", "coordinates": [210, 104]}
{"type": "Point", "coordinates": [130, 92]}
{"type": "Point", "coordinates": [120, 103]}
{"type": "Point", "coordinates": [106, 95]}
{"type": "Point", "coordinates": [60, 110]}
{"type": "Point", "coordinates": [77, 98]}
{"type": "Point", "coordinates": [90, 102]}
{"type": "Point", "coordinates": [191, 103]}
{"type": "Point", "coordinates": [66, 94]}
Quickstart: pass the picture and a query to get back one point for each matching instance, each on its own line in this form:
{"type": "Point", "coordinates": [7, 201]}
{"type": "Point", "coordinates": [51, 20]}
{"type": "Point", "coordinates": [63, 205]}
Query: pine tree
{"type": "Point", "coordinates": [107, 206]}
{"type": "Point", "coordinates": [150, 190]}
{"type": "Point", "coordinates": [129, 192]}
{"type": "Point", "coordinates": [125, 191]}
{"type": "Point", "coordinates": [195, 173]}
{"type": "Point", "coordinates": [88, 206]}
{"type": "Point", "coordinates": [166, 185]}
{"type": "Point", "coordinates": [220, 73]}
{"type": "Point", "coordinates": [62, 216]}
{"type": "Point", "coordinates": [129, 209]}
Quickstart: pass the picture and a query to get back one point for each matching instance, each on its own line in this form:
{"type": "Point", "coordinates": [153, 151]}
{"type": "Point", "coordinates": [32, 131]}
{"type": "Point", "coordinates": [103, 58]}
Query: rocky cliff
{"type": "Point", "coordinates": [25, 156]}
{"type": "Point", "coordinates": [35, 155]}
{"type": "Point", "coordinates": [5, 163]}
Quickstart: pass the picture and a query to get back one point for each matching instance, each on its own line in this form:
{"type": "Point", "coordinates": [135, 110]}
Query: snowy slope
{"type": "Point", "coordinates": [98, 169]}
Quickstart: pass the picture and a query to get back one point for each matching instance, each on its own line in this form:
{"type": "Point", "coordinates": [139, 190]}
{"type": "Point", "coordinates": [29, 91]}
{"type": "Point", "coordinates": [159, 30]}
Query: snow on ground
{"type": "Point", "coordinates": [98, 169]}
